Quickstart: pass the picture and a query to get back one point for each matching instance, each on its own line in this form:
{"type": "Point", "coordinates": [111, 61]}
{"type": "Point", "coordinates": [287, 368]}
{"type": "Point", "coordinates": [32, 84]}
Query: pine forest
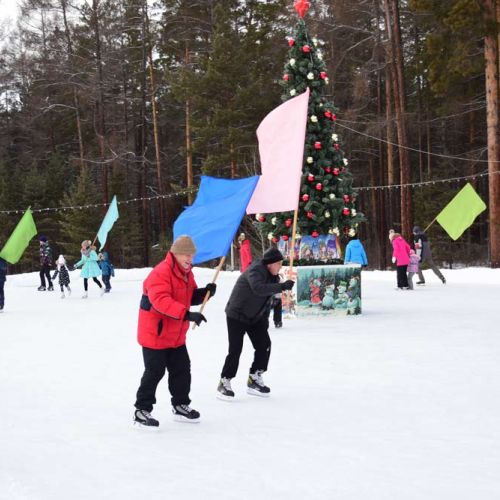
{"type": "Point", "coordinates": [139, 99]}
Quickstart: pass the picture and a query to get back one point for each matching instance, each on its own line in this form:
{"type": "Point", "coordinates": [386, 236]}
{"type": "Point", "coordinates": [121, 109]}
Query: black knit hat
{"type": "Point", "coordinates": [272, 255]}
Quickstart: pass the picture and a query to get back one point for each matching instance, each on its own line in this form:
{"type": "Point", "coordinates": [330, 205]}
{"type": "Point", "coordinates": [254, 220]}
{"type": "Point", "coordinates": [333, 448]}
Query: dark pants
{"type": "Point", "coordinates": [86, 283]}
{"type": "Point", "coordinates": [259, 336]}
{"type": "Point", "coordinates": [45, 273]}
{"type": "Point", "coordinates": [434, 268]}
{"type": "Point", "coordinates": [402, 276]}
{"type": "Point", "coordinates": [277, 310]}
{"type": "Point", "coordinates": [156, 361]}
{"type": "Point", "coordinates": [2, 295]}
{"type": "Point", "coordinates": [106, 280]}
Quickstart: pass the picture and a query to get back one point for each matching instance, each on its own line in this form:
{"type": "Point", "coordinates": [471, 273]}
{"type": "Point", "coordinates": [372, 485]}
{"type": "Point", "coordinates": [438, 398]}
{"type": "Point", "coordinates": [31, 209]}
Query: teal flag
{"type": "Point", "coordinates": [110, 218]}
{"type": "Point", "coordinates": [19, 239]}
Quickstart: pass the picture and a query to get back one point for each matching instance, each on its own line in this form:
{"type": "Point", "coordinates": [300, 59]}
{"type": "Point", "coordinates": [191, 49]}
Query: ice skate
{"type": "Point", "coordinates": [143, 418]}
{"type": "Point", "coordinates": [184, 413]}
{"type": "Point", "coordinates": [224, 391]}
{"type": "Point", "coordinates": [256, 386]}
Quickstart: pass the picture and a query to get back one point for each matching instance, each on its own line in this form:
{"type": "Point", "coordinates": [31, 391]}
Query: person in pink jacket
{"type": "Point", "coordinates": [400, 257]}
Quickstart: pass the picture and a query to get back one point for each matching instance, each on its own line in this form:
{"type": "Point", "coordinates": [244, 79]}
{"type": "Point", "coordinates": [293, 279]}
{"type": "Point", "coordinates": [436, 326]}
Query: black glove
{"type": "Point", "coordinates": [212, 288]}
{"type": "Point", "coordinates": [195, 316]}
{"type": "Point", "coordinates": [287, 285]}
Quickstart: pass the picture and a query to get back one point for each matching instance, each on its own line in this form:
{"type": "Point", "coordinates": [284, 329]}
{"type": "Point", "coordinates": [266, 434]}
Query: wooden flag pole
{"type": "Point", "coordinates": [207, 295]}
{"type": "Point", "coordinates": [434, 220]}
{"type": "Point", "coordinates": [291, 252]}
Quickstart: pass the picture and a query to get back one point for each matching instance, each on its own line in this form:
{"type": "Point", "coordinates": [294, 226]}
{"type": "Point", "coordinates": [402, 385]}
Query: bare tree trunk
{"type": "Point", "coordinates": [100, 129]}
{"type": "Point", "coordinates": [394, 34]}
{"type": "Point", "coordinates": [491, 72]}
{"type": "Point", "coordinates": [391, 174]}
{"type": "Point", "coordinates": [189, 152]}
{"type": "Point", "coordinates": [76, 103]}
{"type": "Point", "coordinates": [161, 201]}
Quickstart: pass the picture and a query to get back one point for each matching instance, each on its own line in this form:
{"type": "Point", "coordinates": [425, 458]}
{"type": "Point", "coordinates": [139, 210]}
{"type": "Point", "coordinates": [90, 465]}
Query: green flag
{"type": "Point", "coordinates": [19, 239]}
{"type": "Point", "coordinates": [461, 212]}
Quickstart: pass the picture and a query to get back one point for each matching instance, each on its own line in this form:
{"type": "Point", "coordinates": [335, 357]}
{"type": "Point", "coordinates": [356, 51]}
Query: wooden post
{"type": "Point", "coordinates": [207, 296]}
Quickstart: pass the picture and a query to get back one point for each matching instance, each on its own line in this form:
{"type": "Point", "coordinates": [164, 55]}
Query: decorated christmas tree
{"type": "Point", "coordinates": [327, 199]}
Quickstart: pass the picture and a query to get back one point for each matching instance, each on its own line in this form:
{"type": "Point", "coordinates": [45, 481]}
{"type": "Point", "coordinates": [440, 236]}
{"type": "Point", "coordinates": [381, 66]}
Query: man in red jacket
{"type": "Point", "coordinates": [164, 316]}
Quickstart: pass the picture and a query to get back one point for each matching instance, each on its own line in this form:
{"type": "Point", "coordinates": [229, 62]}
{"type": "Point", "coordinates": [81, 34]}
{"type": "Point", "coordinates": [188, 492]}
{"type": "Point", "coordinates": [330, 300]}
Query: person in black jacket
{"type": "Point", "coordinates": [247, 311]}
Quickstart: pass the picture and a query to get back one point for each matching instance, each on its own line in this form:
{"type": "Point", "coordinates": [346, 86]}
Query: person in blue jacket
{"type": "Point", "coordinates": [355, 253]}
{"type": "Point", "coordinates": [90, 266]}
{"type": "Point", "coordinates": [3, 273]}
{"type": "Point", "coordinates": [107, 269]}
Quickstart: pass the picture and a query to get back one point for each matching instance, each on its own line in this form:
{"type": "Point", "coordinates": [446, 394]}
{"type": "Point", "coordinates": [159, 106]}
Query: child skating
{"type": "Point", "coordinates": [63, 272]}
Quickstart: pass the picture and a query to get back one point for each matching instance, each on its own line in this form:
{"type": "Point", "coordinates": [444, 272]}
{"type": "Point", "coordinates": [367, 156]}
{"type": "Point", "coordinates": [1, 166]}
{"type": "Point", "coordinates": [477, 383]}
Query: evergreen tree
{"type": "Point", "coordinates": [327, 198]}
{"type": "Point", "coordinates": [79, 224]}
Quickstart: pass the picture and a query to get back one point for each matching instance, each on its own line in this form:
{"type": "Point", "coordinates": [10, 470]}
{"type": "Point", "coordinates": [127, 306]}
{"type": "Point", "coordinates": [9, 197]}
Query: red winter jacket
{"type": "Point", "coordinates": [401, 251]}
{"type": "Point", "coordinates": [167, 295]}
{"type": "Point", "coordinates": [245, 255]}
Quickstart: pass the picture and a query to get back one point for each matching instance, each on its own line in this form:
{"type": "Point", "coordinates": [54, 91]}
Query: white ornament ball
{"type": "Point", "coordinates": [314, 119]}
{"type": "Point", "coordinates": [274, 220]}
{"type": "Point", "coordinates": [330, 231]}
{"type": "Point", "coordinates": [346, 162]}
{"type": "Point", "coordinates": [292, 62]}
{"type": "Point", "coordinates": [310, 75]}
{"type": "Point", "coordinates": [327, 80]}
{"type": "Point", "coordinates": [293, 92]}
{"type": "Point", "coordinates": [315, 42]}
{"type": "Point", "coordinates": [332, 196]}
{"type": "Point", "coordinates": [336, 231]}
{"type": "Point", "coordinates": [353, 212]}
{"type": "Point", "coordinates": [310, 159]}
{"type": "Point", "coordinates": [352, 232]}
{"type": "Point", "coordinates": [258, 216]}
{"type": "Point", "coordinates": [319, 55]}
{"type": "Point", "coordinates": [335, 137]}
{"type": "Point", "coordinates": [270, 236]}
{"type": "Point", "coordinates": [327, 214]}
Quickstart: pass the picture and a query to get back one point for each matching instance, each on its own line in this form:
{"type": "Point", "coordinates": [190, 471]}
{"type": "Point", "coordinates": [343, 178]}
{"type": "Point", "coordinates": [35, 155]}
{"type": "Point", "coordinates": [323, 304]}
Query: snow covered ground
{"type": "Point", "coordinates": [400, 403]}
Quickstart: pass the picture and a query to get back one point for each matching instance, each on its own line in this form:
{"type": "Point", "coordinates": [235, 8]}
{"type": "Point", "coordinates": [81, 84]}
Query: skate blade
{"type": "Point", "coordinates": [222, 397]}
{"type": "Point", "coordinates": [146, 428]}
{"type": "Point", "coordinates": [184, 420]}
{"type": "Point", "coordinates": [254, 392]}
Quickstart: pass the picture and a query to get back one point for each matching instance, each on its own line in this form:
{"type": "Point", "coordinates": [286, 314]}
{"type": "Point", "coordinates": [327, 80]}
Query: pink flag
{"type": "Point", "coordinates": [281, 137]}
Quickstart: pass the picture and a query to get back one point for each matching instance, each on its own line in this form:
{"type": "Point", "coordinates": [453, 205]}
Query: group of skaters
{"type": "Point", "coordinates": [93, 266]}
{"type": "Point", "coordinates": [408, 260]}
{"type": "Point", "coordinates": [164, 317]}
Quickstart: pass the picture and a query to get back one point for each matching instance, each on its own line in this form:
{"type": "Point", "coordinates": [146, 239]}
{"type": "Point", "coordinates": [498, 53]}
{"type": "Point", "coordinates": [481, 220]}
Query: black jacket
{"type": "Point", "coordinates": [252, 293]}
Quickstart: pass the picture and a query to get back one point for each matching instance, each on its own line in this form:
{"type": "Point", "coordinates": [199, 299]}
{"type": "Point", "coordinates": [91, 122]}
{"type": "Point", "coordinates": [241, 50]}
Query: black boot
{"type": "Point", "coordinates": [256, 385]}
{"type": "Point", "coordinates": [183, 413]}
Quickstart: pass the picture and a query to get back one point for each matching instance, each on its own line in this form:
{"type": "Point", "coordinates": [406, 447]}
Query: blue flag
{"type": "Point", "coordinates": [109, 219]}
{"type": "Point", "coordinates": [214, 217]}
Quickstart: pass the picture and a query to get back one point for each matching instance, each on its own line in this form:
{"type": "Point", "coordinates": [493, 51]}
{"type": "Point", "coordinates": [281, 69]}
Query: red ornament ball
{"type": "Point", "coordinates": [286, 76]}
{"type": "Point", "coordinates": [346, 198]}
{"type": "Point", "coordinates": [328, 170]}
{"type": "Point", "coordinates": [310, 178]}
{"type": "Point", "coordinates": [334, 117]}
{"type": "Point", "coordinates": [317, 145]}
{"type": "Point", "coordinates": [291, 42]}
{"type": "Point", "coordinates": [315, 234]}
{"type": "Point", "coordinates": [336, 146]}
{"type": "Point", "coordinates": [346, 211]}
{"type": "Point", "coordinates": [288, 222]}
{"type": "Point", "coordinates": [319, 186]}
{"type": "Point", "coordinates": [285, 237]}
{"type": "Point", "coordinates": [305, 197]}
{"type": "Point", "coordinates": [323, 75]}
{"type": "Point", "coordinates": [262, 219]}
{"type": "Point", "coordinates": [328, 114]}
{"type": "Point", "coordinates": [306, 49]}
{"type": "Point", "coordinates": [309, 215]}
{"type": "Point", "coordinates": [275, 240]}
{"type": "Point", "coordinates": [336, 171]}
